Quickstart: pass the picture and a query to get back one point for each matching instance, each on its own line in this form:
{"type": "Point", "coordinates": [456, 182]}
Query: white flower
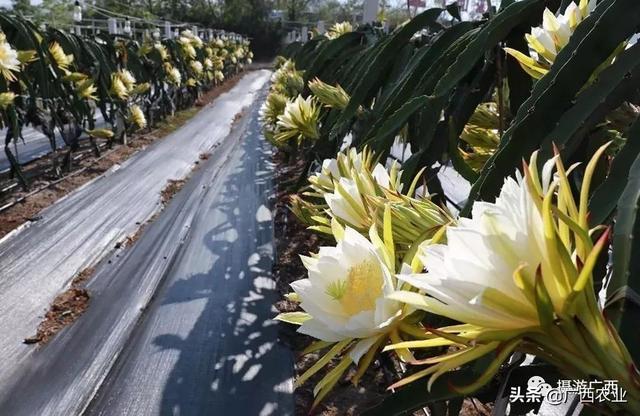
{"type": "Point", "coordinates": [381, 176]}
{"type": "Point", "coordinates": [9, 62]}
{"type": "Point", "coordinates": [174, 76]}
{"type": "Point", "coordinates": [61, 59]}
{"type": "Point", "coordinates": [344, 164]}
{"type": "Point", "coordinates": [548, 50]}
{"type": "Point", "coordinates": [218, 63]}
{"type": "Point", "coordinates": [137, 117]}
{"type": "Point", "coordinates": [272, 107]}
{"type": "Point", "coordinates": [299, 120]}
{"type": "Point", "coordinates": [519, 276]}
{"type": "Point", "coordinates": [339, 29]}
{"type": "Point", "coordinates": [546, 42]}
{"type": "Point", "coordinates": [197, 42]}
{"type": "Point", "coordinates": [86, 89]}
{"type": "Point", "coordinates": [345, 291]}
{"type": "Point", "coordinates": [557, 28]}
{"type": "Point", "coordinates": [329, 171]}
{"type": "Point", "coordinates": [575, 14]}
{"type": "Point", "coordinates": [164, 55]}
{"type": "Point", "coordinates": [127, 79]}
{"type": "Point", "coordinates": [471, 279]}
{"type": "Point", "coordinates": [6, 99]}
{"type": "Point", "coordinates": [475, 269]}
{"type": "Point", "coordinates": [118, 88]}
{"type": "Point", "coordinates": [187, 47]}
{"type": "Point", "coordinates": [188, 37]}
{"type": "Point", "coordinates": [196, 66]}
{"type": "Point", "coordinates": [347, 204]}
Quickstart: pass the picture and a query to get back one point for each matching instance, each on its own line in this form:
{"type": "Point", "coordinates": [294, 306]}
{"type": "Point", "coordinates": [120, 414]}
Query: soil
{"type": "Point", "coordinates": [46, 188]}
{"type": "Point", "coordinates": [473, 407]}
{"type": "Point", "coordinates": [64, 310]}
{"type": "Point", "coordinates": [172, 188]}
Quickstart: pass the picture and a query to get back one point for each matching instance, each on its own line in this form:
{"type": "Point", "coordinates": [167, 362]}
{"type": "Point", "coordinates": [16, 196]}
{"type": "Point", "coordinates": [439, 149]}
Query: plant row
{"type": "Point", "coordinates": [535, 107]}
{"type": "Point", "coordinates": [60, 82]}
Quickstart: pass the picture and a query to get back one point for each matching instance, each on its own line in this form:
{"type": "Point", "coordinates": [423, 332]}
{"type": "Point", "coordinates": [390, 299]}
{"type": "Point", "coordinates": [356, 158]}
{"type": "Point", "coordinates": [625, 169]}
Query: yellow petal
{"type": "Point", "coordinates": [530, 66]}
{"type": "Point", "coordinates": [537, 46]}
{"type": "Point", "coordinates": [296, 318]}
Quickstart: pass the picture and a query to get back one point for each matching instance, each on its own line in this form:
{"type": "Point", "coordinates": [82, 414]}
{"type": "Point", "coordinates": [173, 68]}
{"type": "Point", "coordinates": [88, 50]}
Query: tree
{"type": "Point", "coordinates": [339, 11]}
{"type": "Point", "coordinates": [57, 13]}
{"type": "Point", "coordinates": [294, 8]}
{"type": "Point", "coordinates": [22, 7]}
{"type": "Point", "coordinates": [394, 12]}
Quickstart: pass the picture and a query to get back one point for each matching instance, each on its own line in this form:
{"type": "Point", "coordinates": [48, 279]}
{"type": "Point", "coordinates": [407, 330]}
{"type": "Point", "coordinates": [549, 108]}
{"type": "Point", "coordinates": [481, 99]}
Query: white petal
{"type": "Point", "coordinates": [361, 325]}
{"type": "Point", "coordinates": [543, 37]}
{"type": "Point", "coordinates": [341, 209]}
{"type": "Point", "coordinates": [317, 303]}
{"type": "Point", "coordinates": [547, 173]}
{"type": "Point", "coordinates": [331, 167]}
{"type": "Point", "coordinates": [381, 175]}
{"type": "Point", "coordinates": [318, 330]}
{"type": "Point", "coordinates": [361, 348]}
{"type": "Point", "coordinates": [418, 280]}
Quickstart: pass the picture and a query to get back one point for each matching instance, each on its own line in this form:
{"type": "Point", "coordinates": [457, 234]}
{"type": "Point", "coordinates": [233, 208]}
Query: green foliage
{"type": "Point", "coordinates": [55, 13]}
{"type": "Point", "coordinates": [68, 78]}
{"type": "Point", "coordinates": [623, 303]}
{"type": "Point", "coordinates": [423, 83]}
{"type": "Point", "coordinates": [593, 42]}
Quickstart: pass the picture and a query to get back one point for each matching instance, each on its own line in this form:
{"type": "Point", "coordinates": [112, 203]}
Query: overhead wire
{"type": "Point", "coordinates": [109, 14]}
{"type": "Point", "coordinates": [128, 6]}
{"type": "Point", "coordinates": [112, 14]}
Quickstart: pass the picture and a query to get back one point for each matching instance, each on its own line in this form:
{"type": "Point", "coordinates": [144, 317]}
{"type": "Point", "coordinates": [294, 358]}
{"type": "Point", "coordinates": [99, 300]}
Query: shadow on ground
{"type": "Point", "coordinates": [208, 343]}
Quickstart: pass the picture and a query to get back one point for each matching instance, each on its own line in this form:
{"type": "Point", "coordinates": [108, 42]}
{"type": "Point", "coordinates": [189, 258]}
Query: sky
{"type": "Point", "coordinates": [7, 3]}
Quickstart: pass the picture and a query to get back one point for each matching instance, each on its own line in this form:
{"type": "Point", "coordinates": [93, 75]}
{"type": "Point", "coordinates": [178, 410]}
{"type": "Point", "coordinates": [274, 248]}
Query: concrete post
{"type": "Point", "coordinates": [370, 11]}
{"type": "Point", "coordinates": [112, 24]}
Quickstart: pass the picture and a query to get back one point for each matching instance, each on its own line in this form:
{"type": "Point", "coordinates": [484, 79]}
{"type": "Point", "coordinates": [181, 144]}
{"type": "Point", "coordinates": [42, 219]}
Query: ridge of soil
{"type": "Point", "coordinates": [90, 167]}
{"type": "Point", "coordinates": [173, 187]}
{"type": "Point", "coordinates": [65, 309]}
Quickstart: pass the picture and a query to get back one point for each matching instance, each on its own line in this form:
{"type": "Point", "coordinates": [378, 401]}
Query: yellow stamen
{"type": "Point", "coordinates": [359, 291]}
